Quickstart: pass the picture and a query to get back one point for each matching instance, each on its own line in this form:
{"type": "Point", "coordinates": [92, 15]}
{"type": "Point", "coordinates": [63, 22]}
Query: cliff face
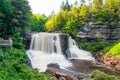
{"type": "Point", "coordinates": [96, 31]}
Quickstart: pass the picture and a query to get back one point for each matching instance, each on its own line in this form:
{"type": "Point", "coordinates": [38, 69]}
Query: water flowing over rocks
{"type": "Point", "coordinates": [27, 40]}
{"type": "Point", "coordinates": [54, 48]}
{"type": "Point", "coordinates": [59, 55]}
{"type": "Point", "coordinates": [81, 69]}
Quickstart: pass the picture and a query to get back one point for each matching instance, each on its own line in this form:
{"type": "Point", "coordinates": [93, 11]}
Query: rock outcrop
{"type": "Point", "coordinates": [59, 75]}
{"type": "Point", "coordinates": [99, 31]}
{"type": "Point", "coordinates": [111, 61]}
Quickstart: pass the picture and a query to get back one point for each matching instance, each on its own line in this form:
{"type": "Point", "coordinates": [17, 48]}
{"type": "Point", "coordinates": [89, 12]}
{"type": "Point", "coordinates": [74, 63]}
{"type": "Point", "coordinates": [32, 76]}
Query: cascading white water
{"type": "Point", "coordinates": [45, 48]}
{"type": "Point", "coordinates": [46, 43]}
{"type": "Point", "coordinates": [76, 53]}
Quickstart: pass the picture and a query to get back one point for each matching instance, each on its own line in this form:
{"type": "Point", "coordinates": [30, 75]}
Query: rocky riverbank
{"type": "Point", "coordinates": [81, 69]}
{"type": "Point", "coordinates": [110, 60]}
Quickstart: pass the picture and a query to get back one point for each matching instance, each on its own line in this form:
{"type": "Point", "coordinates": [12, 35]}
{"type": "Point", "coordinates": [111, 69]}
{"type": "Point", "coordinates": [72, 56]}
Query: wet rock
{"type": "Point", "coordinates": [27, 40]}
{"type": "Point", "coordinates": [82, 68]}
{"type": "Point", "coordinates": [53, 65]}
{"type": "Point", "coordinates": [70, 77]}
{"type": "Point", "coordinates": [28, 62]}
{"type": "Point", "coordinates": [64, 42]}
{"type": "Point", "coordinates": [66, 76]}
{"type": "Point", "coordinates": [53, 78]}
{"type": "Point", "coordinates": [62, 78]}
{"type": "Point", "coordinates": [58, 74]}
{"type": "Point", "coordinates": [76, 74]}
{"type": "Point", "coordinates": [51, 71]}
{"type": "Point", "coordinates": [86, 67]}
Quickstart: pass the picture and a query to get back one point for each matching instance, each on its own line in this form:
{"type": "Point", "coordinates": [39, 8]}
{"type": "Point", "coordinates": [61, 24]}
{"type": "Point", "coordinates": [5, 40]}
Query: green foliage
{"type": "Point", "coordinates": [17, 39]}
{"type": "Point", "coordinates": [65, 6]}
{"type": "Point", "coordinates": [37, 22]}
{"type": "Point", "coordinates": [13, 14]}
{"type": "Point", "coordinates": [84, 13]}
{"type": "Point", "coordinates": [5, 11]}
{"type": "Point", "coordinates": [65, 21]}
{"type": "Point", "coordinates": [93, 46]}
{"type": "Point", "coordinates": [98, 75]}
{"type": "Point", "coordinates": [56, 22]}
{"type": "Point", "coordinates": [114, 49]}
{"type": "Point", "coordinates": [107, 48]}
{"type": "Point", "coordinates": [72, 19]}
{"type": "Point", "coordinates": [13, 67]}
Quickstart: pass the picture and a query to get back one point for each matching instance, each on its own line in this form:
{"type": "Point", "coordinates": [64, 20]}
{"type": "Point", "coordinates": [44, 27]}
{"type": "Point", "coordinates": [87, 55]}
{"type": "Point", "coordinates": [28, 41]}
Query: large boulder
{"type": "Point", "coordinates": [53, 65]}
{"type": "Point", "coordinates": [63, 73]}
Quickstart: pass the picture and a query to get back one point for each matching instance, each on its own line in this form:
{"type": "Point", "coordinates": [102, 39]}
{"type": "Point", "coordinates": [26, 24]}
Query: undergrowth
{"type": "Point", "coordinates": [113, 49]}
{"type": "Point", "coordinates": [13, 67]}
{"type": "Point", "coordinates": [98, 75]}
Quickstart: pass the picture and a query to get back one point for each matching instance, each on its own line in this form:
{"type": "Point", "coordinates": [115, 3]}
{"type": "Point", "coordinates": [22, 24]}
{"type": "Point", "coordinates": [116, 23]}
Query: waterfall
{"type": "Point", "coordinates": [75, 53]}
{"type": "Point", "coordinates": [42, 42]}
{"type": "Point", "coordinates": [46, 48]}
{"type": "Point", "coordinates": [46, 43]}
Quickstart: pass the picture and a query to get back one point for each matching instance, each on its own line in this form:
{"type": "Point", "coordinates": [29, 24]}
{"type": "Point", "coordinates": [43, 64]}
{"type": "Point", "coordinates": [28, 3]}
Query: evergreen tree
{"type": "Point", "coordinates": [97, 4]}
{"type": "Point", "coordinates": [65, 6]}
{"type": "Point", "coordinates": [6, 11]}
{"type": "Point", "coordinates": [14, 15]}
{"type": "Point", "coordinates": [37, 23]}
{"type": "Point", "coordinates": [112, 8]}
{"type": "Point", "coordinates": [21, 14]}
{"type": "Point", "coordinates": [76, 17]}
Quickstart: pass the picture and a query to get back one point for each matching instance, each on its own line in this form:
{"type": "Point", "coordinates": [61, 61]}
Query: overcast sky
{"type": "Point", "coordinates": [47, 6]}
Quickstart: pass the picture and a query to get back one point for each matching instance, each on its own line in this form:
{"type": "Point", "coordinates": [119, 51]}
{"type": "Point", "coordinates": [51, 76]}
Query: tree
{"type": "Point", "coordinates": [84, 13]}
{"type": "Point", "coordinates": [6, 10]}
{"type": "Point", "coordinates": [21, 15]}
{"type": "Point", "coordinates": [57, 22]}
{"type": "Point", "coordinates": [98, 11]}
{"type": "Point", "coordinates": [65, 21]}
{"type": "Point", "coordinates": [14, 14]}
{"type": "Point", "coordinates": [37, 22]}
{"type": "Point", "coordinates": [97, 4]}
{"type": "Point", "coordinates": [77, 16]}
{"type": "Point", "coordinates": [65, 6]}
{"type": "Point", "coordinates": [76, 3]}
{"type": "Point", "coordinates": [112, 8]}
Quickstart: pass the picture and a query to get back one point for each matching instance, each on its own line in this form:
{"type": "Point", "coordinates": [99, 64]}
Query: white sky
{"type": "Point", "coordinates": [47, 6]}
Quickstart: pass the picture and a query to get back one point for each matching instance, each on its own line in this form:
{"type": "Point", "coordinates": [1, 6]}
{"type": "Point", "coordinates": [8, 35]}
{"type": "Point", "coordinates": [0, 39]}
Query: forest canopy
{"type": "Point", "coordinates": [13, 15]}
{"type": "Point", "coordinates": [72, 17]}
